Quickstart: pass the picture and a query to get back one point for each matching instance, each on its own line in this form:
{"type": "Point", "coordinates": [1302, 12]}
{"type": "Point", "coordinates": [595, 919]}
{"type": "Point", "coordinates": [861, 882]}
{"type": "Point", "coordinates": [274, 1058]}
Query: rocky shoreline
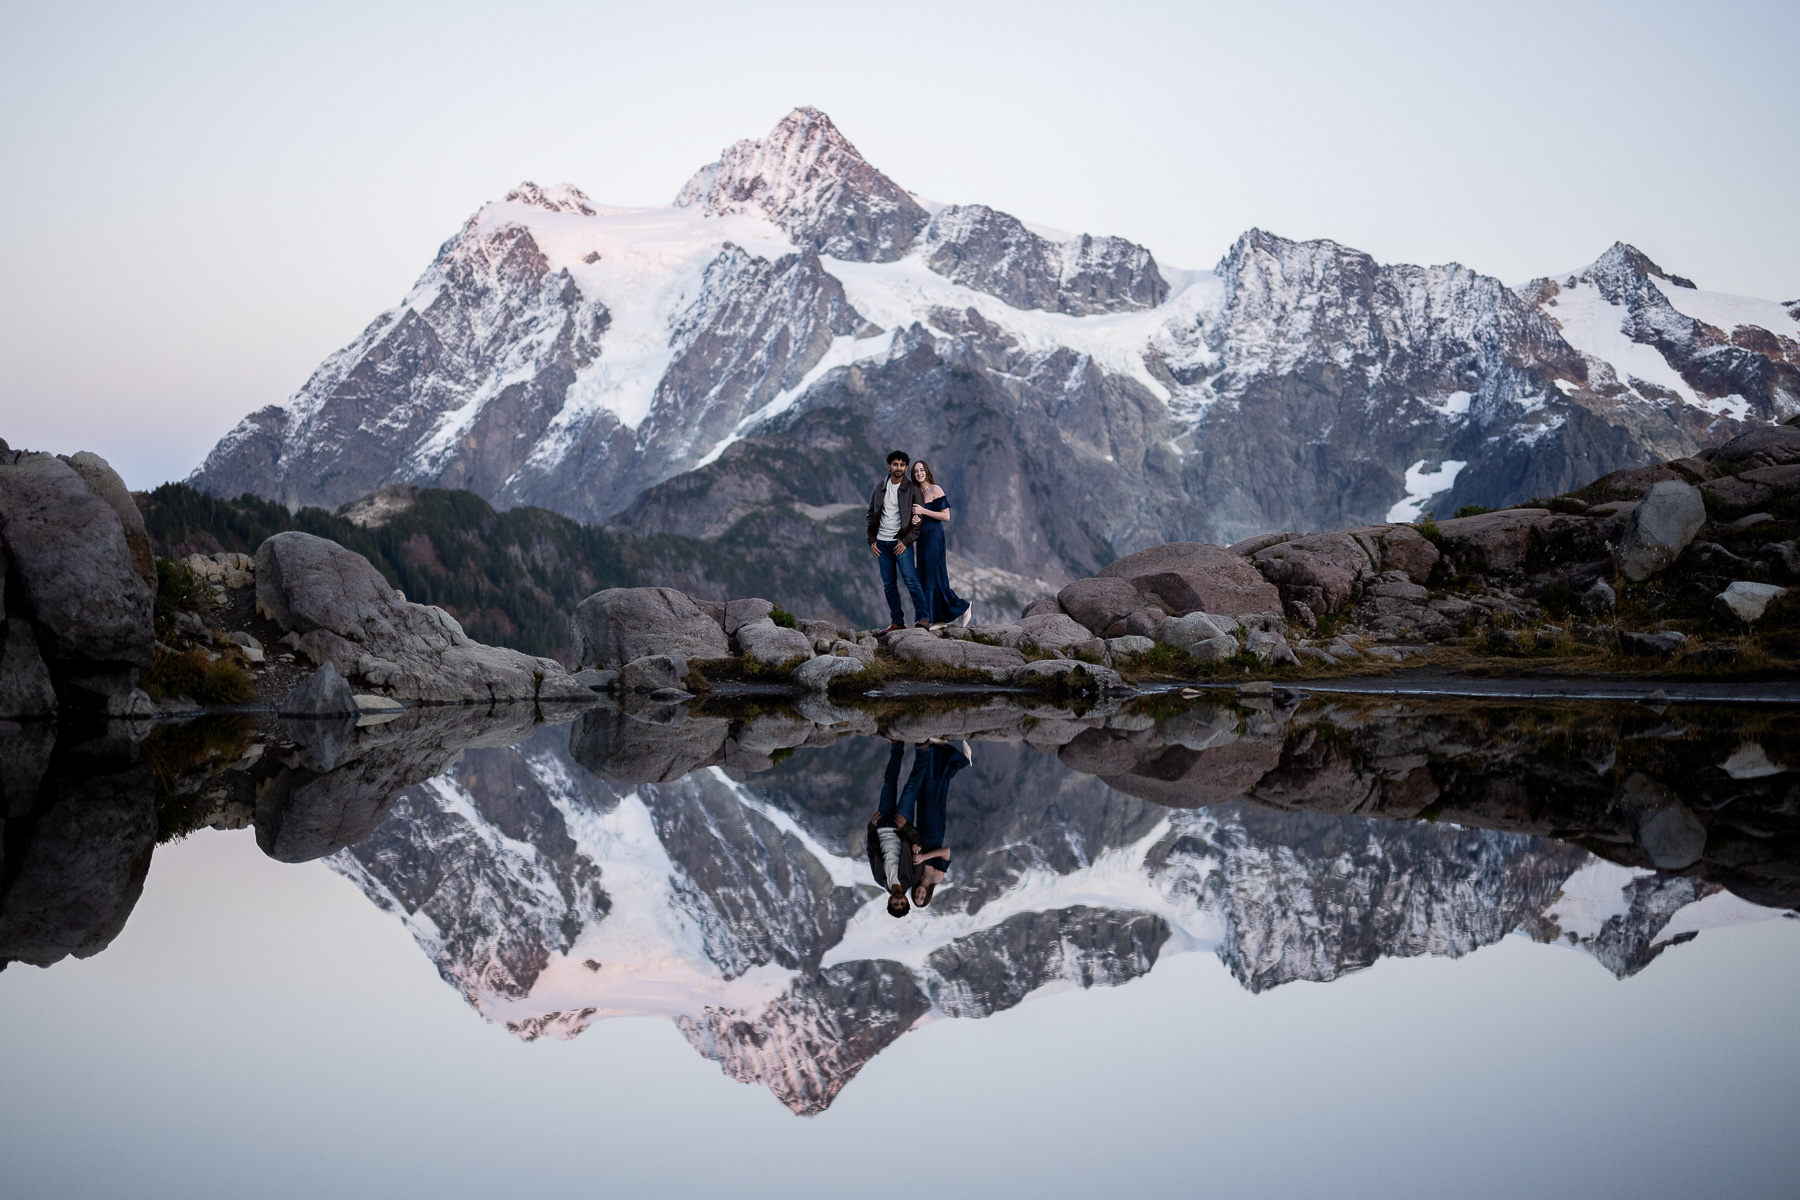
{"type": "Point", "coordinates": [1680, 567]}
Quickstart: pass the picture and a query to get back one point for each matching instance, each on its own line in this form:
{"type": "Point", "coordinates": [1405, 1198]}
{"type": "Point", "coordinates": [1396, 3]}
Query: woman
{"type": "Point", "coordinates": [942, 605]}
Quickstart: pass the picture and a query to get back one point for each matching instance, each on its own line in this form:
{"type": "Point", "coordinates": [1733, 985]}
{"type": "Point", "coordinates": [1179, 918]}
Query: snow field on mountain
{"type": "Point", "coordinates": [1422, 485]}
{"type": "Point", "coordinates": [1726, 312]}
{"type": "Point", "coordinates": [1592, 896]}
{"type": "Point", "coordinates": [1595, 327]}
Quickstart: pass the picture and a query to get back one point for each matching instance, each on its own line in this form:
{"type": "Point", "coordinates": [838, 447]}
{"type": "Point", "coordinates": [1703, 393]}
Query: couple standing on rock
{"type": "Point", "coordinates": [908, 836]}
{"type": "Point", "coordinates": [909, 511]}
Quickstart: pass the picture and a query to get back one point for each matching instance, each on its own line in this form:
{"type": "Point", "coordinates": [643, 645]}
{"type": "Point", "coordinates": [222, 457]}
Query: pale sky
{"type": "Point", "coordinates": [201, 202]}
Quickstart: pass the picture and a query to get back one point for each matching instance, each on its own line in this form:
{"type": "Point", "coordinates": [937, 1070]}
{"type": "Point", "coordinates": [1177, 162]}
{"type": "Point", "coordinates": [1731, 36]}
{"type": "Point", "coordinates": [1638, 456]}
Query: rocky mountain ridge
{"type": "Point", "coordinates": [745, 355]}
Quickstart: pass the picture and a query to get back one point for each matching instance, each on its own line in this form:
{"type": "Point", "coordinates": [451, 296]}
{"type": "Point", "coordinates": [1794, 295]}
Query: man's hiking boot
{"type": "Point", "coordinates": [896, 627]}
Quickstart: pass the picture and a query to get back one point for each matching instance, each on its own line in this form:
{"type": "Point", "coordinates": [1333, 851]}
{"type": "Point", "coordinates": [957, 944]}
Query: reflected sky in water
{"type": "Point", "coordinates": [1109, 991]}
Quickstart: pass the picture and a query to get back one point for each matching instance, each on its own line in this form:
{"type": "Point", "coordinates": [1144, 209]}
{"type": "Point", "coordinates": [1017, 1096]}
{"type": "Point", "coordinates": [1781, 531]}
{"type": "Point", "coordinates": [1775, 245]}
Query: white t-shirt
{"type": "Point", "coordinates": [890, 514]}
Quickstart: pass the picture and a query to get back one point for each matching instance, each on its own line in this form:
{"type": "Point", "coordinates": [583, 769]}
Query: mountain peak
{"type": "Point", "coordinates": [558, 197]}
{"type": "Point", "coordinates": [807, 178]}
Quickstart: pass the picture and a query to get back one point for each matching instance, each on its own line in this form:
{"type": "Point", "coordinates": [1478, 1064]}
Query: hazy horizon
{"type": "Point", "coordinates": [207, 203]}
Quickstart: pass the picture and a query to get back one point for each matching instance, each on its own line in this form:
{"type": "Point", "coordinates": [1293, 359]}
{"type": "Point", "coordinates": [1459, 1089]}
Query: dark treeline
{"type": "Point", "coordinates": [513, 578]}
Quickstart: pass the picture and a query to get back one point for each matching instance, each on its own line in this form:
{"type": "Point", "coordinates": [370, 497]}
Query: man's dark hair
{"type": "Point", "coordinates": [902, 455]}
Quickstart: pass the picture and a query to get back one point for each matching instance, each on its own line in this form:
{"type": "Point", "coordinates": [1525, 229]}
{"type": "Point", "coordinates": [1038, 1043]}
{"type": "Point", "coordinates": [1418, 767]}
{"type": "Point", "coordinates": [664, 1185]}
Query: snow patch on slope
{"type": "Point", "coordinates": [1422, 485]}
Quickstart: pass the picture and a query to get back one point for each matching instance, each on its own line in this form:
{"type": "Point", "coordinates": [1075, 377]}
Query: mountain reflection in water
{"type": "Point", "coordinates": [709, 867]}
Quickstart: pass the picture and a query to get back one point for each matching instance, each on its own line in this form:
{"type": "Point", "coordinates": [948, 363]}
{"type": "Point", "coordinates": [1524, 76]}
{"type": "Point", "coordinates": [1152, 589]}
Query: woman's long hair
{"type": "Point", "coordinates": [930, 479]}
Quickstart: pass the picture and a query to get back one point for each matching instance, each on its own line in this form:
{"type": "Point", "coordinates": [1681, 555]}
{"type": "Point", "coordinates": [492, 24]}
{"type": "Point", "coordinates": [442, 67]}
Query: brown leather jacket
{"type": "Point", "coordinates": [910, 872]}
{"type": "Point", "coordinates": [910, 494]}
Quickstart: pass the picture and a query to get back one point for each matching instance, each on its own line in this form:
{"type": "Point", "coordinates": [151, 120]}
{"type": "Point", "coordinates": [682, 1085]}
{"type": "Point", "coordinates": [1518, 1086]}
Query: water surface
{"type": "Point", "coordinates": [1381, 947]}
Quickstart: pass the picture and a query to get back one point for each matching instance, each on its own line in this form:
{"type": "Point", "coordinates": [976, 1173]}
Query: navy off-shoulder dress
{"type": "Point", "coordinates": [941, 604]}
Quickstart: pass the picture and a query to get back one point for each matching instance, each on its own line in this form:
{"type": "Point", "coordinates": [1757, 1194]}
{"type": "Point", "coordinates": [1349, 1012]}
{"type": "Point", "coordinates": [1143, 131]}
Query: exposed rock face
{"type": "Point", "coordinates": [994, 253]}
{"type": "Point", "coordinates": [25, 687]}
{"type": "Point", "coordinates": [345, 614]}
{"type": "Point", "coordinates": [1747, 601]}
{"type": "Point", "coordinates": [1185, 577]}
{"type": "Point", "coordinates": [614, 626]}
{"type": "Point", "coordinates": [1661, 526]}
{"type": "Point", "coordinates": [808, 315]}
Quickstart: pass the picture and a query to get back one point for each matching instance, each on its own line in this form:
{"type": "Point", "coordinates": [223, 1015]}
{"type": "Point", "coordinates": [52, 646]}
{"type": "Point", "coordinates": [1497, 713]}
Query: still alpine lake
{"type": "Point", "coordinates": [1222, 945]}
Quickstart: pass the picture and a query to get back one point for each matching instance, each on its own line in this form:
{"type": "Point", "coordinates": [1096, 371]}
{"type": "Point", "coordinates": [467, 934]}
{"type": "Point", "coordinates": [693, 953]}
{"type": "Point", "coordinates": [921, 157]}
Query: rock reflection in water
{"type": "Point", "coordinates": [708, 867]}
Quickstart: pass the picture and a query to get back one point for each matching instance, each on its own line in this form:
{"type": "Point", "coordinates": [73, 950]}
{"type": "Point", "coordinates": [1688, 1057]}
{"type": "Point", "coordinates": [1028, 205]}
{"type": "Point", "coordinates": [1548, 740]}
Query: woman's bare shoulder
{"type": "Point", "coordinates": [934, 492]}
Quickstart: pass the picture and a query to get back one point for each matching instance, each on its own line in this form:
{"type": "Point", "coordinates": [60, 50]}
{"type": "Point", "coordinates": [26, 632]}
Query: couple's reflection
{"type": "Point", "coordinates": [909, 834]}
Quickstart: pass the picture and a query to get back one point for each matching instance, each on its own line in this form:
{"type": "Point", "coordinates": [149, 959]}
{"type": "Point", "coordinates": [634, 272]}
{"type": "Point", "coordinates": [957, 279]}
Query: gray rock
{"type": "Point", "coordinates": [997, 662]}
{"type": "Point", "coordinates": [614, 626]}
{"type": "Point", "coordinates": [856, 650]}
{"type": "Point", "coordinates": [1038, 608]}
{"type": "Point", "coordinates": [1183, 632]}
{"type": "Point", "coordinates": [1053, 631]}
{"type": "Point", "coordinates": [1651, 645]}
{"type": "Point", "coordinates": [104, 482]}
{"type": "Point", "coordinates": [1745, 601]}
{"type": "Point", "coordinates": [739, 613]}
{"type": "Point", "coordinates": [1270, 648]}
{"type": "Point", "coordinates": [596, 680]}
{"type": "Point", "coordinates": [670, 695]}
{"type": "Point", "coordinates": [1079, 676]}
{"type": "Point", "coordinates": [25, 688]}
{"type": "Point", "coordinates": [1599, 598]}
{"type": "Point", "coordinates": [819, 631]}
{"type": "Point", "coordinates": [1100, 603]}
{"type": "Point", "coordinates": [1660, 528]}
{"type": "Point", "coordinates": [651, 672]}
{"type": "Point", "coordinates": [1313, 654]}
{"type": "Point", "coordinates": [366, 704]}
{"type": "Point", "coordinates": [70, 557]}
{"type": "Point", "coordinates": [1005, 635]}
{"type": "Point", "coordinates": [816, 674]}
{"type": "Point", "coordinates": [1185, 577]}
{"type": "Point", "coordinates": [323, 694]}
{"type": "Point", "coordinates": [1130, 644]}
{"type": "Point", "coordinates": [1215, 649]}
{"type": "Point", "coordinates": [771, 645]}
{"type": "Point", "coordinates": [193, 627]}
{"type": "Point", "coordinates": [712, 608]}
{"type": "Point", "coordinates": [346, 615]}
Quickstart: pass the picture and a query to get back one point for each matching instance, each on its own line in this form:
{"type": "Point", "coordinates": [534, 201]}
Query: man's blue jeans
{"type": "Point", "coordinates": [909, 574]}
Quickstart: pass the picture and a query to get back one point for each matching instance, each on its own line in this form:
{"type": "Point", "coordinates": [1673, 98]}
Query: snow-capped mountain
{"type": "Point", "coordinates": [734, 904]}
{"type": "Point", "coordinates": [761, 341]}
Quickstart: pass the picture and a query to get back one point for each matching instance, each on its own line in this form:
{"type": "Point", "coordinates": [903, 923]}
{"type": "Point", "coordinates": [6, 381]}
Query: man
{"type": "Point", "coordinates": [893, 842]}
{"type": "Point", "coordinates": [892, 531]}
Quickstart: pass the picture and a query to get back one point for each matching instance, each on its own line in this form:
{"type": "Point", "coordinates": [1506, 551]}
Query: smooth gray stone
{"type": "Point", "coordinates": [739, 613]}
{"type": "Point", "coordinates": [816, 674]}
{"type": "Point", "coordinates": [323, 694]}
{"type": "Point", "coordinates": [69, 553]}
{"type": "Point", "coordinates": [616, 625]}
{"type": "Point", "coordinates": [1660, 528]}
{"type": "Point", "coordinates": [765, 642]}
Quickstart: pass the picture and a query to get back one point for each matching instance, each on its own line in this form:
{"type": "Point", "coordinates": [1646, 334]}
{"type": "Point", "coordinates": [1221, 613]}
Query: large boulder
{"type": "Point", "coordinates": [1100, 602]}
{"type": "Point", "coordinates": [651, 673]}
{"type": "Point", "coordinates": [1185, 577]}
{"type": "Point", "coordinates": [614, 626]}
{"type": "Point", "coordinates": [772, 645]}
{"type": "Point", "coordinates": [1321, 571]}
{"type": "Point", "coordinates": [1054, 631]}
{"type": "Point", "coordinates": [1660, 528]}
{"type": "Point", "coordinates": [74, 566]}
{"type": "Point", "coordinates": [344, 613]}
{"type": "Point", "coordinates": [1506, 540]}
